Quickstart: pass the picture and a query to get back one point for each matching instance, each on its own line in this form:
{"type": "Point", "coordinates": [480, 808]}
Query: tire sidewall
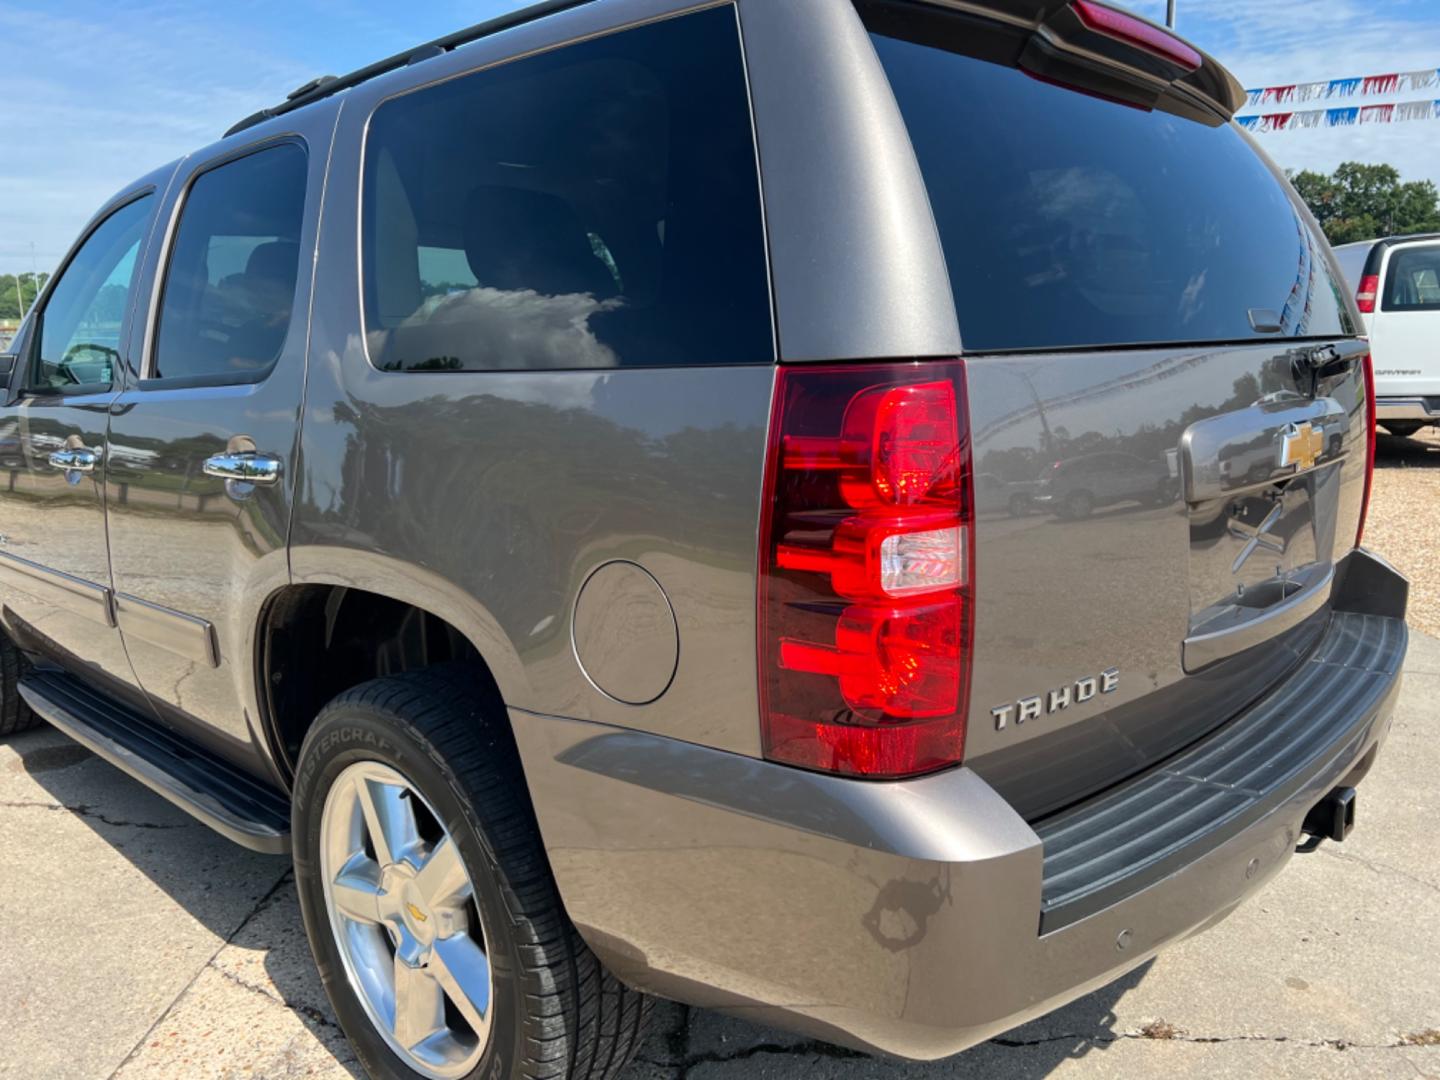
{"type": "Point", "coordinates": [348, 733]}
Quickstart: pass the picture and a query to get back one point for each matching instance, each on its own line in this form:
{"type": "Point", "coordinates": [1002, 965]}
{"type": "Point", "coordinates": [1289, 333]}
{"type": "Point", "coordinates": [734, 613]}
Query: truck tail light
{"type": "Point", "coordinates": [1368, 292]}
{"type": "Point", "coordinates": [866, 587]}
{"type": "Point", "coordinates": [1367, 366]}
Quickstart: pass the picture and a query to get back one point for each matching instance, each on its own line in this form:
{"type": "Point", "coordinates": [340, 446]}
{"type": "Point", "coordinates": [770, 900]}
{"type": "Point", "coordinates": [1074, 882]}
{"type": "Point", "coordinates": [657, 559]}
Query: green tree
{"type": "Point", "coordinates": [1363, 202]}
{"type": "Point", "coordinates": [29, 287]}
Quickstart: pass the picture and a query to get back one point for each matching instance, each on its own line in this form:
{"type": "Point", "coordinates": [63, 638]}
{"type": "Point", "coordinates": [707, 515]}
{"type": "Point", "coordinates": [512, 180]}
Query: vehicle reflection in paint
{"type": "Point", "coordinates": [1076, 487]}
{"type": "Point", "coordinates": [1124, 581]}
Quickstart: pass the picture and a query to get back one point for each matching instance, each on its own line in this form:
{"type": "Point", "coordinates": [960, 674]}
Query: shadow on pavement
{"type": "Point", "coordinates": [192, 865]}
{"type": "Point", "coordinates": [689, 1042]}
{"type": "Point", "coordinates": [1420, 451]}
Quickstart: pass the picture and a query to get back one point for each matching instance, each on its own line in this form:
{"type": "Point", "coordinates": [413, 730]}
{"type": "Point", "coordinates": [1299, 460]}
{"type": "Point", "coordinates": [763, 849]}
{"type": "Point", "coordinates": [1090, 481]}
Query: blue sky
{"type": "Point", "coordinates": [95, 93]}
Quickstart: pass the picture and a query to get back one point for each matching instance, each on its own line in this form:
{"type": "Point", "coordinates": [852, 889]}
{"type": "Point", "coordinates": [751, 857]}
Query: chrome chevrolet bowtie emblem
{"type": "Point", "coordinates": [1301, 445]}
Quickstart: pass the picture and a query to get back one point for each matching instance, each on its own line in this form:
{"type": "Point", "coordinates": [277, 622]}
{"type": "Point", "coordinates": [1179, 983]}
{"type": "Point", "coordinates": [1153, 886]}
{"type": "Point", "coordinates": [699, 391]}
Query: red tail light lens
{"type": "Point", "coordinates": [1137, 32]}
{"type": "Point", "coordinates": [1368, 367]}
{"type": "Point", "coordinates": [866, 571]}
{"type": "Point", "coordinates": [1369, 291]}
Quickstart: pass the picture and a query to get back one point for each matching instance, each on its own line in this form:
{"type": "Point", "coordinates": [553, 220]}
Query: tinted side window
{"type": "Point", "coordinates": [79, 338]}
{"type": "Point", "coordinates": [230, 284]}
{"type": "Point", "coordinates": [590, 207]}
{"type": "Point", "coordinates": [1413, 281]}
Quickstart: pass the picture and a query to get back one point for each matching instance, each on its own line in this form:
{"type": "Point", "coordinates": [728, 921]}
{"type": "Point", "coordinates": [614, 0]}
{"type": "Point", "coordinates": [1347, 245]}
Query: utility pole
{"type": "Point", "coordinates": [20, 295]}
{"type": "Point", "coordinates": [35, 275]}
{"type": "Point", "coordinates": [1170, 14]}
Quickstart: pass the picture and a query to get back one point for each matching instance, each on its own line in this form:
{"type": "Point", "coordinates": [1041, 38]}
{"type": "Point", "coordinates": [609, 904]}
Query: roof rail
{"type": "Point", "coordinates": [318, 89]}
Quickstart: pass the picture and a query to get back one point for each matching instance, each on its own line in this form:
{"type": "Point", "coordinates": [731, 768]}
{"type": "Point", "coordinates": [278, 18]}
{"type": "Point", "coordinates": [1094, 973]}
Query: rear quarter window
{"type": "Point", "coordinates": [592, 207]}
{"type": "Point", "coordinates": [1412, 282]}
{"type": "Point", "coordinates": [1068, 221]}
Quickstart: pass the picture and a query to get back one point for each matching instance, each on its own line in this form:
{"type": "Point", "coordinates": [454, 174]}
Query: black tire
{"type": "Point", "coordinates": [15, 715]}
{"type": "Point", "coordinates": [558, 1015]}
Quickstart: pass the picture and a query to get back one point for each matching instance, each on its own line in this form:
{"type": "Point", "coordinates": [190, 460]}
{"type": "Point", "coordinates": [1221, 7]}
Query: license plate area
{"type": "Point", "coordinates": [1262, 491]}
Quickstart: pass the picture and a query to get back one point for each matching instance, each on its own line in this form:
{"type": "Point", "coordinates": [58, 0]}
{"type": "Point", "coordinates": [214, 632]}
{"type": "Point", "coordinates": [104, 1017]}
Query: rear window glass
{"type": "Point", "coordinates": [595, 206]}
{"type": "Point", "coordinates": [1413, 280]}
{"type": "Point", "coordinates": [1070, 221]}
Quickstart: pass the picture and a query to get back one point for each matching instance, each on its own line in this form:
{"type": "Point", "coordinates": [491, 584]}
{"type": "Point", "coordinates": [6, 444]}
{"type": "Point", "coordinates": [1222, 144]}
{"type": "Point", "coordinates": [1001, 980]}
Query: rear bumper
{"type": "Point", "coordinates": [1424, 410]}
{"type": "Point", "coordinates": [922, 917]}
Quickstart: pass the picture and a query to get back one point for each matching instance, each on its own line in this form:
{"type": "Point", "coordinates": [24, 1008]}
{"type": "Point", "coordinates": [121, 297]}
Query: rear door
{"type": "Point", "coordinates": [1139, 290]}
{"type": "Point", "coordinates": [1406, 324]}
{"type": "Point", "coordinates": [202, 445]}
{"type": "Point", "coordinates": [54, 565]}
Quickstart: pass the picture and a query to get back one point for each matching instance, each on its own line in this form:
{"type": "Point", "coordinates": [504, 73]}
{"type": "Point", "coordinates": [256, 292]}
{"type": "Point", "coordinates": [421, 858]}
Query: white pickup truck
{"type": "Point", "coordinates": [1397, 286]}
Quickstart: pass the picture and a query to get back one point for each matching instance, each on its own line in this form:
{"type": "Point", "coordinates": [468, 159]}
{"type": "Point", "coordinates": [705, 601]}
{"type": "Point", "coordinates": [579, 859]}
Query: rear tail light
{"type": "Point", "coordinates": [1368, 292]}
{"type": "Point", "coordinates": [1137, 32]}
{"type": "Point", "coordinates": [1368, 367]}
{"type": "Point", "coordinates": [867, 569]}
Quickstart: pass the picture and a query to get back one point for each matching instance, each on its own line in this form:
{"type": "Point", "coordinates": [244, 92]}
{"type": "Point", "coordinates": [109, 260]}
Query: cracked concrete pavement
{"type": "Point", "coordinates": [138, 945]}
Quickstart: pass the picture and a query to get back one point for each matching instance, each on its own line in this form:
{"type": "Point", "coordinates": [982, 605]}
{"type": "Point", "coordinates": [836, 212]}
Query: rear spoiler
{"type": "Point", "coordinates": [1081, 44]}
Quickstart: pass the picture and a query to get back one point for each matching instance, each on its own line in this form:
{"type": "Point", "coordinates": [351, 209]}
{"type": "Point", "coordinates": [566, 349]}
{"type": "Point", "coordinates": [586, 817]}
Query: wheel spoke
{"type": "Point", "coordinates": [442, 879]}
{"type": "Point", "coordinates": [400, 905]}
{"type": "Point", "coordinates": [356, 889]}
{"type": "Point", "coordinates": [463, 972]}
{"type": "Point", "coordinates": [419, 1004]}
{"type": "Point", "coordinates": [389, 818]}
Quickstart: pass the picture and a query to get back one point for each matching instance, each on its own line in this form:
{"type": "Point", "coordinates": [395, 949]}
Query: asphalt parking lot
{"type": "Point", "coordinates": [137, 944]}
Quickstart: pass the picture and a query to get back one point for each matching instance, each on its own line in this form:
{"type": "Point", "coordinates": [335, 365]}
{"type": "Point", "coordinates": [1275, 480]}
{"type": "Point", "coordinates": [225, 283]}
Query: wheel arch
{"type": "Point", "coordinates": [347, 617]}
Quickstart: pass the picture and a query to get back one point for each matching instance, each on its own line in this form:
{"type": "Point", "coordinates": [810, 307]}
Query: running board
{"type": "Point", "coordinates": [231, 802]}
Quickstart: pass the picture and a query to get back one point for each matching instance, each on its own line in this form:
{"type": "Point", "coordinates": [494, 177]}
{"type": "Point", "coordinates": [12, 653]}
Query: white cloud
{"type": "Point", "coordinates": [1276, 43]}
{"type": "Point", "coordinates": [94, 94]}
{"type": "Point", "coordinates": [91, 105]}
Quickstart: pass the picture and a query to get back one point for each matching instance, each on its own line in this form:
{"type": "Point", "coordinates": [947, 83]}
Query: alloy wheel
{"type": "Point", "coordinates": [404, 915]}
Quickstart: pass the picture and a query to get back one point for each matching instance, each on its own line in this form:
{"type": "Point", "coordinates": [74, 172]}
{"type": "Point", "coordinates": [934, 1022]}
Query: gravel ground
{"type": "Point", "coordinates": [1404, 521]}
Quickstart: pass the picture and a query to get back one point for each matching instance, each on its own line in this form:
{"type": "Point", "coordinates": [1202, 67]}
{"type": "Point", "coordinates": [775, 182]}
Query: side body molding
{"type": "Point", "coordinates": [74, 594]}
{"type": "Point", "coordinates": [185, 635]}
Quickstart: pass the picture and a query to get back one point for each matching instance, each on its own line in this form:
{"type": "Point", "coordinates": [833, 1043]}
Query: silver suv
{"type": "Point", "coordinates": [533, 480]}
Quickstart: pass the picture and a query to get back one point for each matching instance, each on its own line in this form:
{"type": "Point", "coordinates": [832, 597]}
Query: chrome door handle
{"type": "Point", "coordinates": [74, 460]}
{"type": "Point", "coordinates": [248, 467]}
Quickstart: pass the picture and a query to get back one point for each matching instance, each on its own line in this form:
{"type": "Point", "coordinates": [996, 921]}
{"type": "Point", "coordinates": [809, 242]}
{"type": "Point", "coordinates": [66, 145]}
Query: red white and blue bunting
{"type": "Point", "coordinates": [1346, 116]}
{"type": "Point", "coordinates": [1365, 86]}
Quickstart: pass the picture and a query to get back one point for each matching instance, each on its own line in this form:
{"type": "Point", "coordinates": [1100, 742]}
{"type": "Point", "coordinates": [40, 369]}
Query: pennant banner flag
{"type": "Point", "coordinates": [1365, 86]}
{"type": "Point", "coordinates": [1345, 116]}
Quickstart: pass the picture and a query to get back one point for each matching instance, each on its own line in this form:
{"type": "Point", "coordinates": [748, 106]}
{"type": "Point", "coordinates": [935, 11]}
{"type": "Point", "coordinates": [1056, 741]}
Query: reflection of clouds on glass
{"type": "Point", "coordinates": [1190, 297]}
{"type": "Point", "coordinates": [1089, 200]}
{"type": "Point", "coordinates": [1097, 235]}
{"type": "Point", "coordinates": [486, 328]}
